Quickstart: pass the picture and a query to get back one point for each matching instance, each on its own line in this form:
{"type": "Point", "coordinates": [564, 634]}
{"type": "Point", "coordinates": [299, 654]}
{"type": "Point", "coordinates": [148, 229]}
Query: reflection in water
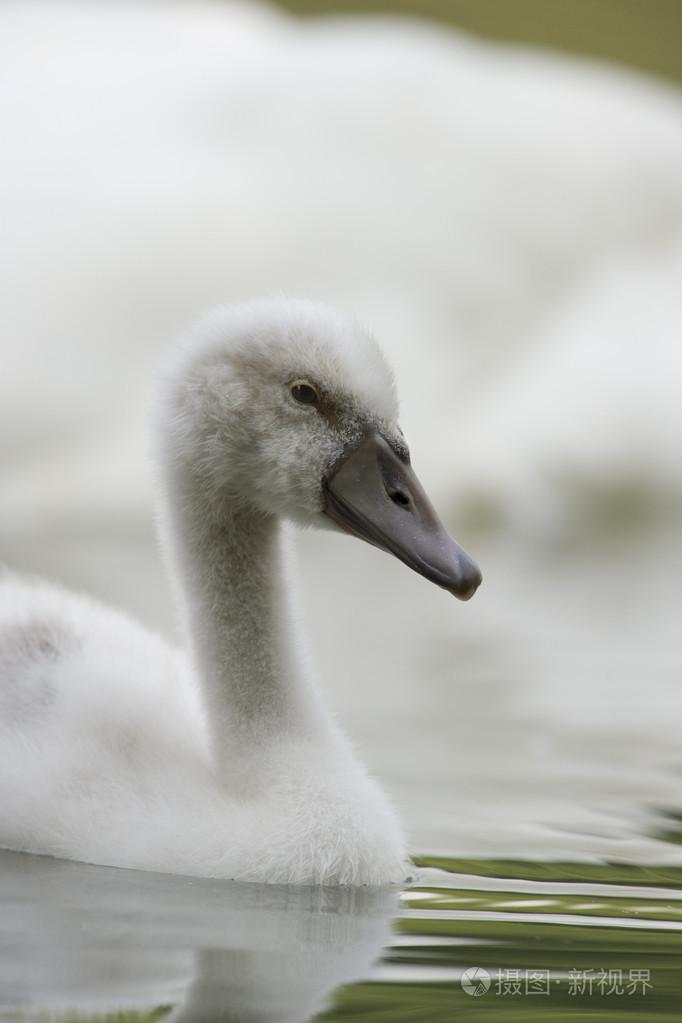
{"type": "Point", "coordinates": [76, 939]}
{"type": "Point", "coordinates": [554, 941]}
{"type": "Point", "coordinates": [86, 939]}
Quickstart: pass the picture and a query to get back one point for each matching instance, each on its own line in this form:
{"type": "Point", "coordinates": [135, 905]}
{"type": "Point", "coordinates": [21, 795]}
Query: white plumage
{"type": "Point", "coordinates": [115, 750]}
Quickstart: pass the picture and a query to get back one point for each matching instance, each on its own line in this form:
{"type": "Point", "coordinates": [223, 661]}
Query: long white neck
{"type": "Point", "coordinates": [233, 589]}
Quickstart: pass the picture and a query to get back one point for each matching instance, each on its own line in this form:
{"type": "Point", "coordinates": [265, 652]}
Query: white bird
{"type": "Point", "coordinates": [118, 750]}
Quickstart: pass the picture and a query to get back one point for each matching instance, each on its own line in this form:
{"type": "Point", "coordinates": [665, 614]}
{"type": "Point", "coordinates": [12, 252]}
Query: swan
{"type": "Point", "coordinates": [223, 762]}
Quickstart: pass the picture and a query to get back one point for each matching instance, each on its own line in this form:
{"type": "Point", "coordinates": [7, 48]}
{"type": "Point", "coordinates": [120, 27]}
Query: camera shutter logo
{"type": "Point", "coordinates": [475, 981]}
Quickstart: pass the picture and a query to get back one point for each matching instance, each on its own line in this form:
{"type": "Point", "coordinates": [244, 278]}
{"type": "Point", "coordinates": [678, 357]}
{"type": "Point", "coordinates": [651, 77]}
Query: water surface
{"type": "Point", "coordinates": [468, 940]}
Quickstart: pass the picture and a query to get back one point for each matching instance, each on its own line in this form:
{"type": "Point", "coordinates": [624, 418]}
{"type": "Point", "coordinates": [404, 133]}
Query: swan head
{"type": "Point", "coordinates": [288, 408]}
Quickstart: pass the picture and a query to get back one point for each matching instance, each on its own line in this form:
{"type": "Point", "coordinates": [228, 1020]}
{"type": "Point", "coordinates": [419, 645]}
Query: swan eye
{"type": "Point", "coordinates": [304, 393]}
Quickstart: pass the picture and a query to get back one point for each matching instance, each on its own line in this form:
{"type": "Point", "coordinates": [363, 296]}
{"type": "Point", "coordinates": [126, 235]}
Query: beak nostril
{"type": "Point", "coordinates": [400, 498]}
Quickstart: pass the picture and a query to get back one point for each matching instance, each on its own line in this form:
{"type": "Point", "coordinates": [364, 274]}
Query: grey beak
{"type": "Point", "coordinates": [375, 495]}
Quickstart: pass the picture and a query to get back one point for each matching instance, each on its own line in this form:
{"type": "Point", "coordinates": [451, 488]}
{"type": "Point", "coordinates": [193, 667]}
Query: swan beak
{"type": "Point", "coordinates": [372, 493]}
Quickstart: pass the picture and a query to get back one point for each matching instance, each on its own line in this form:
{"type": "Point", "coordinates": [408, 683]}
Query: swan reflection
{"type": "Point", "coordinates": [76, 938]}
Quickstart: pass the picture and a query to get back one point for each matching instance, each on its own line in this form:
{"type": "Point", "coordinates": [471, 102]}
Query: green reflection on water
{"type": "Point", "coordinates": [531, 870]}
{"type": "Point", "coordinates": [575, 905]}
{"type": "Point", "coordinates": [441, 1003]}
{"type": "Point", "coordinates": [622, 931]}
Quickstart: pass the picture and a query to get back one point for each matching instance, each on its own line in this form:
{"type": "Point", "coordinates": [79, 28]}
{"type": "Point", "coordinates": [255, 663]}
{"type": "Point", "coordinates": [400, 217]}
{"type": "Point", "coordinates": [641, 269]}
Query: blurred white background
{"type": "Point", "coordinates": [510, 224]}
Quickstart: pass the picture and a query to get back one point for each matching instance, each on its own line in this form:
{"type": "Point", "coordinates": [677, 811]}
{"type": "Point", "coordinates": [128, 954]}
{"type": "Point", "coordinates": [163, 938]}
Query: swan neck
{"type": "Point", "coordinates": [235, 597]}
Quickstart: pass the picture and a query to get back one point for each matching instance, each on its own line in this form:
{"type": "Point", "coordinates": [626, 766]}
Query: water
{"type": "Point", "coordinates": [537, 940]}
{"type": "Point", "coordinates": [540, 721]}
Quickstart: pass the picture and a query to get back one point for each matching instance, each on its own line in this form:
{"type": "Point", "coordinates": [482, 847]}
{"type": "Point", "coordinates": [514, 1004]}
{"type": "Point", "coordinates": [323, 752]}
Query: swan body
{"type": "Point", "coordinates": [118, 749]}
